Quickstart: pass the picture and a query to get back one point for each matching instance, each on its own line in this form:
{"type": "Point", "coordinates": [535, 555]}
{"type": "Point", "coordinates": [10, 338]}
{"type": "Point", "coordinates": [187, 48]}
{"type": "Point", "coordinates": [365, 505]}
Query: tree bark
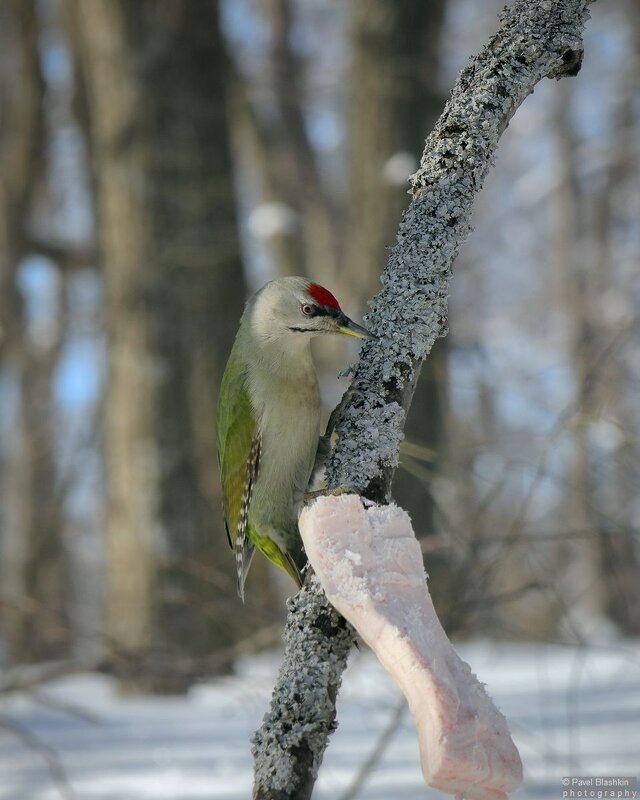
{"type": "Point", "coordinates": [174, 286]}
{"type": "Point", "coordinates": [535, 40]}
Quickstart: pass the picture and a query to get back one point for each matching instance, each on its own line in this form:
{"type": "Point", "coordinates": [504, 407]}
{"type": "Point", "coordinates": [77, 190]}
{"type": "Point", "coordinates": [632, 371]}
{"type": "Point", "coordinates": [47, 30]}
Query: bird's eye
{"type": "Point", "coordinates": [307, 309]}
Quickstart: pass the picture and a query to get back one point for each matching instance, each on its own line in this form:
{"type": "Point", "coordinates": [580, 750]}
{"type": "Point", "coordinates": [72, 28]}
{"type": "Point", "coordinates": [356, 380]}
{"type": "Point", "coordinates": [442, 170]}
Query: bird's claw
{"type": "Point", "coordinates": [309, 497]}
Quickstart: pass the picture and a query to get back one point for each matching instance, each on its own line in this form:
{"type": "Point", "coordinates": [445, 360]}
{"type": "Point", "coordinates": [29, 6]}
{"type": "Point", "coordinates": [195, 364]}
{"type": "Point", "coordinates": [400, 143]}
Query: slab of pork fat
{"type": "Point", "coordinates": [370, 566]}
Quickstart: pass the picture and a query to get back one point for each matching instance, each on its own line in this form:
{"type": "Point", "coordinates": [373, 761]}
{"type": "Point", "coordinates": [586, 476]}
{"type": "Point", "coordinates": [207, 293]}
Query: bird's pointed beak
{"type": "Point", "coordinates": [351, 328]}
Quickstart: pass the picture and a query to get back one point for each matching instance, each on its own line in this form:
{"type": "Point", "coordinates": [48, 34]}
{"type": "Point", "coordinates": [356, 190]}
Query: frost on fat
{"type": "Point", "coordinates": [370, 566]}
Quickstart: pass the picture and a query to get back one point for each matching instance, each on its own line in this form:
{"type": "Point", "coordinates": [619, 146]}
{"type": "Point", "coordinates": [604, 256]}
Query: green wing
{"type": "Point", "coordinates": [238, 443]}
{"type": "Point", "coordinates": [236, 435]}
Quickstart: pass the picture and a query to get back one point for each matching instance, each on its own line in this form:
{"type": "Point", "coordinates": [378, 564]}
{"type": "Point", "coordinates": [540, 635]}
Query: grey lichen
{"type": "Point", "coordinates": [537, 38]}
{"type": "Point", "coordinates": [288, 748]}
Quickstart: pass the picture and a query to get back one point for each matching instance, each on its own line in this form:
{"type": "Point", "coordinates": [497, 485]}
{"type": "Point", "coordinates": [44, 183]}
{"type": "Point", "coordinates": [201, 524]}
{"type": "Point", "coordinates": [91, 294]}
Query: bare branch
{"type": "Point", "coordinates": [370, 763]}
{"type": "Point", "coordinates": [289, 746]}
{"type": "Point", "coordinates": [27, 677]}
{"type": "Point", "coordinates": [50, 757]}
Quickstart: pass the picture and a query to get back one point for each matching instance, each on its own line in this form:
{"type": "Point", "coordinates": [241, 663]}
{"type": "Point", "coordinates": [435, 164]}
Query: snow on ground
{"type": "Point", "coordinates": [572, 711]}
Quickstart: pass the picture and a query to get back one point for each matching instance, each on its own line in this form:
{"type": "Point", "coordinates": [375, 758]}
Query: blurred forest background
{"type": "Point", "coordinates": [161, 159]}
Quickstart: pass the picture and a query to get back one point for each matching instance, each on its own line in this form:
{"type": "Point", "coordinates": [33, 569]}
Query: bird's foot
{"type": "Point", "coordinates": [309, 497]}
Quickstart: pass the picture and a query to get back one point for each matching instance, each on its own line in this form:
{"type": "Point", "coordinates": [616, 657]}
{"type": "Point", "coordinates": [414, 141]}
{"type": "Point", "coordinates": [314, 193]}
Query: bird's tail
{"type": "Point", "coordinates": [244, 553]}
{"type": "Point", "coordinates": [291, 562]}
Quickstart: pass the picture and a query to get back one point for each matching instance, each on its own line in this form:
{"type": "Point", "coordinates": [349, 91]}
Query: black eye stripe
{"type": "Point", "coordinates": [322, 311]}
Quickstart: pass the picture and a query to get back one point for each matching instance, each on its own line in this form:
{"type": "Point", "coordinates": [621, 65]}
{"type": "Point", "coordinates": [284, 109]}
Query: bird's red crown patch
{"type": "Point", "coordinates": [322, 295]}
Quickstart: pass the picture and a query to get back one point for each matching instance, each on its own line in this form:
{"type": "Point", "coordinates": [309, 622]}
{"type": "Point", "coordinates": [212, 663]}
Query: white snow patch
{"type": "Point", "coordinates": [572, 711]}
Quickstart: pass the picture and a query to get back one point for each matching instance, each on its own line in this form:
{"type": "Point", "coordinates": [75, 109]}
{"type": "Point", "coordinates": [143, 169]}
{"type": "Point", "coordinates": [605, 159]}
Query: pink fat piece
{"type": "Point", "coordinates": [370, 566]}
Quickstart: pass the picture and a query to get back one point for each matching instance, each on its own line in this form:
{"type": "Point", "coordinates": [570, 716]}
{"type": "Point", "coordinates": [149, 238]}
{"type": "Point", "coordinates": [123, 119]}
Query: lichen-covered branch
{"type": "Point", "coordinates": [536, 39]}
{"type": "Point", "coordinates": [289, 746]}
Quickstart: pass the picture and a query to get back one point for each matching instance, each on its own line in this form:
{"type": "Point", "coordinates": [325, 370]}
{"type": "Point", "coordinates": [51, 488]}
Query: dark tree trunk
{"type": "Point", "coordinates": [155, 74]}
{"type": "Point", "coordinates": [31, 558]}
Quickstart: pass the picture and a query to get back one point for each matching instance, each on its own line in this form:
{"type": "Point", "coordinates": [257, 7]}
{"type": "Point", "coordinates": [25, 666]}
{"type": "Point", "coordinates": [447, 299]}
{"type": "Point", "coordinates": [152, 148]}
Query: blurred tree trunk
{"type": "Point", "coordinates": [619, 556]}
{"type": "Point", "coordinates": [254, 147]}
{"type": "Point", "coordinates": [305, 237]}
{"type": "Point", "coordinates": [602, 568]}
{"type": "Point", "coordinates": [31, 556]}
{"type": "Point", "coordinates": [155, 77]}
{"type": "Point", "coordinates": [290, 143]}
{"type": "Point", "coordinates": [394, 99]}
{"type": "Point", "coordinates": [582, 590]}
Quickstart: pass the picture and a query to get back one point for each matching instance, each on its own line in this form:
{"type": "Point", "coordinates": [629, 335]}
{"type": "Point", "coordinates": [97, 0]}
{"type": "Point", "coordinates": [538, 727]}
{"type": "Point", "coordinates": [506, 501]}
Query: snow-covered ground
{"type": "Point", "coordinates": [572, 711]}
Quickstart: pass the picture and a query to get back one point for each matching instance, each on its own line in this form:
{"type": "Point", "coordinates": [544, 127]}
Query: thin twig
{"type": "Point", "coordinates": [384, 740]}
{"type": "Point", "coordinates": [52, 760]}
{"type": "Point", "coordinates": [43, 698]}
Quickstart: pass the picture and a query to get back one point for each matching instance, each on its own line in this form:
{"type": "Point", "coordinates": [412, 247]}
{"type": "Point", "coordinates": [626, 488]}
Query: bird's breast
{"type": "Point", "coordinates": [290, 427]}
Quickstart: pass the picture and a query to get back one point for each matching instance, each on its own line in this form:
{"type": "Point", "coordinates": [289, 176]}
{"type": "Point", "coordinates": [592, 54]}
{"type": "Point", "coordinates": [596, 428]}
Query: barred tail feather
{"type": "Point", "coordinates": [244, 550]}
{"type": "Point", "coordinates": [244, 545]}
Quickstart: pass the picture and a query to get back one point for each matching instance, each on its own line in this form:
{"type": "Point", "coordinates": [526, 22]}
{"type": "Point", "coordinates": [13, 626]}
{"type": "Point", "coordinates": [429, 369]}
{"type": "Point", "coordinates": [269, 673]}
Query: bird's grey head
{"type": "Point", "coordinates": [296, 309]}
